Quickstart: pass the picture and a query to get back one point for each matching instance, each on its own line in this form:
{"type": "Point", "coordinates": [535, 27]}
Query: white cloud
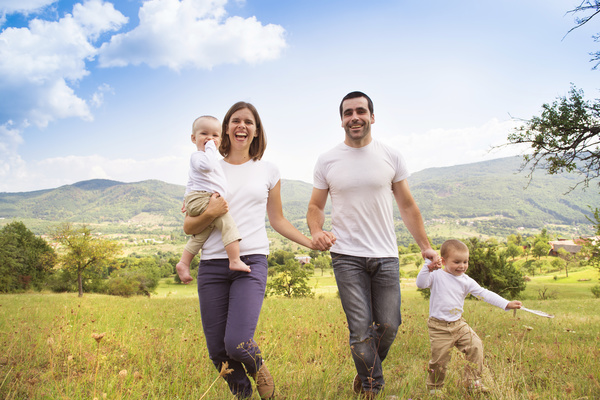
{"type": "Point", "coordinates": [192, 34]}
{"type": "Point", "coordinates": [11, 164]}
{"type": "Point", "coordinates": [447, 147]}
{"type": "Point", "coordinates": [96, 17]}
{"type": "Point", "coordinates": [40, 63]}
{"type": "Point", "coordinates": [98, 97]}
{"type": "Point", "coordinates": [23, 6]}
{"type": "Point", "coordinates": [16, 175]}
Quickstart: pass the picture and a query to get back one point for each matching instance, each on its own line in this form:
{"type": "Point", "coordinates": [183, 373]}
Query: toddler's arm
{"type": "Point", "coordinates": [424, 278]}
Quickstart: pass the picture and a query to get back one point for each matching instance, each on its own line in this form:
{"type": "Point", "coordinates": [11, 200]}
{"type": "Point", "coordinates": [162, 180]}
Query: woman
{"type": "Point", "coordinates": [230, 301]}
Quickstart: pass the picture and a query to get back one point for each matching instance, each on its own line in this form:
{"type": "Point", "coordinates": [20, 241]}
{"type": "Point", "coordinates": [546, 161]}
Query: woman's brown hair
{"type": "Point", "coordinates": [259, 143]}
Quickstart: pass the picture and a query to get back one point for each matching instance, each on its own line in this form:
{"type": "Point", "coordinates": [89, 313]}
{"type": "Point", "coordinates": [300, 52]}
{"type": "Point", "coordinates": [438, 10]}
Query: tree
{"type": "Point", "coordinates": [592, 7]}
{"type": "Point", "coordinates": [290, 280]}
{"type": "Point", "coordinates": [559, 264]}
{"type": "Point", "coordinates": [489, 268]}
{"type": "Point", "coordinates": [541, 249]}
{"type": "Point", "coordinates": [564, 138]}
{"type": "Point", "coordinates": [513, 250]}
{"type": "Point", "coordinates": [591, 246]}
{"type": "Point", "coordinates": [322, 262]}
{"type": "Point", "coordinates": [8, 264]}
{"type": "Point", "coordinates": [569, 259]}
{"type": "Point", "coordinates": [82, 251]}
{"type": "Point", "coordinates": [25, 259]}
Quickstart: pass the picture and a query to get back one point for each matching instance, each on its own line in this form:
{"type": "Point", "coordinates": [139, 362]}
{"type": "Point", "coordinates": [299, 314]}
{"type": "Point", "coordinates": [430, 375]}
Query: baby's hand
{"type": "Point", "coordinates": [434, 265]}
{"type": "Point", "coordinates": [183, 210]}
{"type": "Point", "coordinates": [512, 305]}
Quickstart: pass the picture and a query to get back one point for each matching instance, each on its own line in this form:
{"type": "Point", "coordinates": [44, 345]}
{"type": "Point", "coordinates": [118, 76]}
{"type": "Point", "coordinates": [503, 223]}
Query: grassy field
{"type": "Point", "coordinates": [153, 348]}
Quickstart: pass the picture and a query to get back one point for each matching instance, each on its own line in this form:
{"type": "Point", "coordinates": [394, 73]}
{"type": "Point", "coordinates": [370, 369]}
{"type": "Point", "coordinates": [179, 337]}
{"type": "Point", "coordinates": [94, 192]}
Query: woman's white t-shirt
{"type": "Point", "coordinates": [248, 190]}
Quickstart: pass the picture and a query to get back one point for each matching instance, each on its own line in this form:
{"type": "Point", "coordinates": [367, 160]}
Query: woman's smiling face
{"type": "Point", "coordinates": [241, 128]}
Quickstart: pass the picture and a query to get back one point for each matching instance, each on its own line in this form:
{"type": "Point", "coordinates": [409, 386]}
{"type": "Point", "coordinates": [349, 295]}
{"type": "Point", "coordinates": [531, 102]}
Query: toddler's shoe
{"type": "Point", "coordinates": [437, 392]}
{"type": "Point", "coordinates": [477, 387]}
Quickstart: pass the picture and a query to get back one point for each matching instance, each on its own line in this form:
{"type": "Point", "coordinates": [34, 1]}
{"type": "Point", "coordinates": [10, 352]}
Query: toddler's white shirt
{"type": "Point", "coordinates": [448, 293]}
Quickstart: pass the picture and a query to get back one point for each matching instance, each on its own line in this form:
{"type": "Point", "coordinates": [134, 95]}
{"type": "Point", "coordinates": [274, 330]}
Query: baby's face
{"type": "Point", "coordinates": [206, 129]}
{"type": "Point", "coordinates": [456, 263]}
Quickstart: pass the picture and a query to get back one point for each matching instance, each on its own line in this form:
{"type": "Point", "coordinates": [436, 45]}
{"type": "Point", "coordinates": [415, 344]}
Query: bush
{"type": "Point", "coordinates": [128, 283]}
{"type": "Point", "coordinates": [62, 281]}
{"type": "Point", "coordinates": [426, 293]}
{"type": "Point", "coordinates": [596, 291]}
{"type": "Point", "coordinates": [121, 286]}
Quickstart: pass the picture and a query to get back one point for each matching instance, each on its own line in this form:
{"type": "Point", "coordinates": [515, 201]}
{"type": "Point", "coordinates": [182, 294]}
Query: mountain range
{"type": "Point", "coordinates": [490, 190]}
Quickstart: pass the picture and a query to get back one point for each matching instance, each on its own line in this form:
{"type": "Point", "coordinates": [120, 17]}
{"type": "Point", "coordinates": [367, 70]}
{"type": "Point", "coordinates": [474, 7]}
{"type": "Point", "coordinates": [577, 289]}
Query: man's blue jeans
{"type": "Point", "coordinates": [370, 293]}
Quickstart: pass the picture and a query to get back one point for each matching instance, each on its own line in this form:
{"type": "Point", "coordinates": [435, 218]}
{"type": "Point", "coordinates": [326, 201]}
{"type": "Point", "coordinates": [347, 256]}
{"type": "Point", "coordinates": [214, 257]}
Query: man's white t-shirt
{"type": "Point", "coordinates": [359, 181]}
{"type": "Point", "coordinates": [248, 190]}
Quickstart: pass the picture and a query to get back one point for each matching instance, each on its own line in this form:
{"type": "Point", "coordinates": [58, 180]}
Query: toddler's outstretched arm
{"type": "Point", "coordinates": [512, 305]}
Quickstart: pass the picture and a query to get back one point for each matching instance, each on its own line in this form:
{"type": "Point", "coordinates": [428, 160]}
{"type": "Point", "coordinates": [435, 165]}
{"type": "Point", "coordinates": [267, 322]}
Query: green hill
{"type": "Point", "coordinates": [491, 191]}
{"type": "Point", "coordinates": [496, 189]}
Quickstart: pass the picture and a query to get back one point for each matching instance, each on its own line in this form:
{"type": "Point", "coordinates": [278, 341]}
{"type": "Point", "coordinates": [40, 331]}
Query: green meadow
{"type": "Point", "coordinates": [51, 346]}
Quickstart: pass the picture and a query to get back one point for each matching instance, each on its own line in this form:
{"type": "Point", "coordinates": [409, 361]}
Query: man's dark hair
{"type": "Point", "coordinates": [354, 95]}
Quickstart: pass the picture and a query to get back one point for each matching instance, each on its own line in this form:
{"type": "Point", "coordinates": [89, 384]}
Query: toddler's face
{"type": "Point", "coordinates": [206, 129]}
{"type": "Point", "coordinates": [456, 263]}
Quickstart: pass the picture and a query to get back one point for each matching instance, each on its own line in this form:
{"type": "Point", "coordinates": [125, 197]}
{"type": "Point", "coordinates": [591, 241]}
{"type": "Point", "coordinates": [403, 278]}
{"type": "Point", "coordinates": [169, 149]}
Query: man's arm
{"type": "Point", "coordinates": [315, 218]}
{"type": "Point", "coordinates": [411, 216]}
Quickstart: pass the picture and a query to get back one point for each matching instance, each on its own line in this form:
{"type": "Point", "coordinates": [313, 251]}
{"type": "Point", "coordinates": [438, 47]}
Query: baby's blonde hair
{"type": "Point", "coordinates": [199, 118]}
{"type": "Point", "coordinates": [452, 245]}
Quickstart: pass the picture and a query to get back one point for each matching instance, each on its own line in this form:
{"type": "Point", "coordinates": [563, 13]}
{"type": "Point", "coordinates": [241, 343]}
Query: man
{"type": "Point", "coordinates": [361, 175]}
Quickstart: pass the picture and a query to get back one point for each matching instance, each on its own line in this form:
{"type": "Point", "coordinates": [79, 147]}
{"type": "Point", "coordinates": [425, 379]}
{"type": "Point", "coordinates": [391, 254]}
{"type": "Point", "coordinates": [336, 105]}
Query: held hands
{"type": "Point", "coordinates": [323, 240]}
{"type": "Point", "coordinates": [513, 305]}
{"type": "Point", "coordinates": [432, 255]}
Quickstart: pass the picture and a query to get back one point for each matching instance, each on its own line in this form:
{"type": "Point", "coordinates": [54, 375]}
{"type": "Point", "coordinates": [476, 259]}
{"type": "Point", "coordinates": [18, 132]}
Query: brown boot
{"type": "Point", "coordinates": [264, 383]}
{"type": "Point", "coordinates": [357, 385]}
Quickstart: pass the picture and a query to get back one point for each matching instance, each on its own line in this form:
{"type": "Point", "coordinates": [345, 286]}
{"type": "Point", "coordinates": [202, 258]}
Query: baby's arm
{"type": "Point", "coordinates": [205, 161]}
{"type": "Point", "coordinates": [512, 305]}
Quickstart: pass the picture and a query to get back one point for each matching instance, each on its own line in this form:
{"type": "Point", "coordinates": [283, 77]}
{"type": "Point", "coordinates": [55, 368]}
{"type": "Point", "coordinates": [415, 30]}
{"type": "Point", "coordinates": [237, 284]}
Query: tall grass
{"type": "Point", "coordinates": [153, 348]}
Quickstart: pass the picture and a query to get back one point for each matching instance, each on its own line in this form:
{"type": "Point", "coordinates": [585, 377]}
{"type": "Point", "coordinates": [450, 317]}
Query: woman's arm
{"type": "Point", "coordinates": [315, 218]}
{"type": "Point", "coordinates": [280, 223]}
{"type": "Point", "coordinates": [217, 206]}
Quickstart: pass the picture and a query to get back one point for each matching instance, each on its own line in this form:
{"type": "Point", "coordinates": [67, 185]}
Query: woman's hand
{"type": "Point", "coordinates": [217, 206]}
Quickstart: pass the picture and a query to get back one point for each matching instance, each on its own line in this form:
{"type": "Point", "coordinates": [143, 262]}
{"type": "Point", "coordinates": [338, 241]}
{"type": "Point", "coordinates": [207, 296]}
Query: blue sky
{"type": "Point", "coordinates": [109, 89]}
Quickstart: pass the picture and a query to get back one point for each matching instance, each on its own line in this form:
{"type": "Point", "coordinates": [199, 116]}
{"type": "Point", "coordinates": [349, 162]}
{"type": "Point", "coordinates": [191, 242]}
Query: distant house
{"type": "Point", "coordinates": [303, 259]}
{"type": "Point", "coordinates": [569, 246]}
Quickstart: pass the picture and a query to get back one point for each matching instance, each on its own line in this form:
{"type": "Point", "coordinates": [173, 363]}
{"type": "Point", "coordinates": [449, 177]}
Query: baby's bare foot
{"type": "Point", "coordinates": [238, 265]}
{"type": "Point", "coordinates": [183, 271]}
